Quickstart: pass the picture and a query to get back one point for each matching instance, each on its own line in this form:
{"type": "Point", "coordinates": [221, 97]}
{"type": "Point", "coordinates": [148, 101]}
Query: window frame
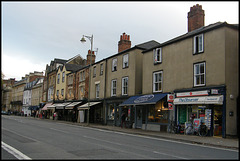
{"type": "Point", "coordinates": [114, 64]}
{"type": "Point", "coordinates": [97, 88]}
{"type": "Point", "coordinates": [157, 58]}
{"type": "Point", "coordinates": [94, 71]}
{"type": "Point", "coordinates": [125, 61]}
{"type": "Point", "coordinates": [63, 77]}
{"type": "Point", "coordinates": [124, 87]}
{"type": "Point", "coordinates": [159, 82]}
{"type": "Point", "coordinates": [199, 74]}
{"type": "Point", "coordinates": [113, 88]}
{"type": "Point", "coordinates": [101, 69]}
{"type": "Point", "coordinates": [197, 44]}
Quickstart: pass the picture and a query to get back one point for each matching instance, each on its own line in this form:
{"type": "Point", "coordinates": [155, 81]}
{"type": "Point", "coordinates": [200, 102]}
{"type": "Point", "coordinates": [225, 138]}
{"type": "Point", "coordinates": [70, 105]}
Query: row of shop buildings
{"type": "Point", "coordinates": [193, 77]}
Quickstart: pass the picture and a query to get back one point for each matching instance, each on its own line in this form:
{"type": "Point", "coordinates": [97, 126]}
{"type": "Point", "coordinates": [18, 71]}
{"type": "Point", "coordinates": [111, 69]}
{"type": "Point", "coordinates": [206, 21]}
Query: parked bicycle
{"type": "Point", "coordinates": [203, 130]}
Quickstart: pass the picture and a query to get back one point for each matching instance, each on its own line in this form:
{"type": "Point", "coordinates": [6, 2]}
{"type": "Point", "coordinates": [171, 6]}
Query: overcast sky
{"type": "Point", "coordinates": [34, 33]}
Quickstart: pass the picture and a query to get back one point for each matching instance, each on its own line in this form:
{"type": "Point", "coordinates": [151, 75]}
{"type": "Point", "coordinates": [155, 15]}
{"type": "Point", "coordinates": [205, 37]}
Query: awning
{"type": "Point", "coordinates": [46, 106]}
{"type": "Point", "coordinates": [52, 106]}
{"type": "Point", "coordinates": [61, 105]}
{"type": "Point", "coordinates": [144, 99]}
{"type": "Point", "coordinates": [85, 106]}
{"type": "Point", "coordinates": [33, 108]}
{"type": "Point", "coordinates": [72, 105]}
{"type": "Point", "coordinates": [199, 100]}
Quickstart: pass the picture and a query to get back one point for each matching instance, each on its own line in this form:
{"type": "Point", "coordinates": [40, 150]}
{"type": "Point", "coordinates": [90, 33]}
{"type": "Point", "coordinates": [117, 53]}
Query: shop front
{"type": "Point", "coordinates": [150, 111]}
{"type": "Point", "coordinates": [71, 111]}
{"type": "Point", "coordinates": [95, 110]}
{"type": "Point", "coordinates": [200, 107]}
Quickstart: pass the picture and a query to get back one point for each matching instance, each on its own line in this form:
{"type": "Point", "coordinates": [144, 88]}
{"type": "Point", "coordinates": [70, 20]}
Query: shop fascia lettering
{"type": "Point", "coordinates": [189, 99]}
{"type": "Point", "coordinates": [144, 98]}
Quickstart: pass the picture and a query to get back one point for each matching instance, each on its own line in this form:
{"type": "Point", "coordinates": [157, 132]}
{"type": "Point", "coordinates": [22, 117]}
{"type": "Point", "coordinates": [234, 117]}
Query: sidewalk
{"type": "Point", "coordinates": [231, 143]}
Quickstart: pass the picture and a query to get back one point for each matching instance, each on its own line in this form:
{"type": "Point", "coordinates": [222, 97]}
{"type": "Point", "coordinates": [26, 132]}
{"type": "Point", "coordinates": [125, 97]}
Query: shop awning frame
{"type": "Point", "coordinates": [144, 99]}
{"type": "Point", "coordinates": [72, 105]}
{"type": "Point", "coordinates": [85, 106]}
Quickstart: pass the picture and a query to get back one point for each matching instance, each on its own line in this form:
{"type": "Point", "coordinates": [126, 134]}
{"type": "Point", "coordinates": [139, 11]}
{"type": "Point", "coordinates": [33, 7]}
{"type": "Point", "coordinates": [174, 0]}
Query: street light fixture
{"type": "Point", "coordinates": [83, 40]}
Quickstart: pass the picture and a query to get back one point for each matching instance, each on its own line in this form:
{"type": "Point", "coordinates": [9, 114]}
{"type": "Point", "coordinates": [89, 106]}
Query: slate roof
{"type": "Point", "coordinates": [195, 32]}
{"type": "Point", "coordinates": [73, 67]}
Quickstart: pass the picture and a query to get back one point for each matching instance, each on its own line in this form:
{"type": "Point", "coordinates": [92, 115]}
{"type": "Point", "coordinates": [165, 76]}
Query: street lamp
{"type": "Point", "coordinates": [83, 40]}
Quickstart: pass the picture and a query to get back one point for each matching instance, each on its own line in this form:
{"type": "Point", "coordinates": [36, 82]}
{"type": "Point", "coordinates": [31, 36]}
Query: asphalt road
{"type": "Point", "coordinates": [45, 139]}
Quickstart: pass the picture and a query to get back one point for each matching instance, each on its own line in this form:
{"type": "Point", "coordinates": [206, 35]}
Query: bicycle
{"type": "Point", "coordinates": [203, 130]}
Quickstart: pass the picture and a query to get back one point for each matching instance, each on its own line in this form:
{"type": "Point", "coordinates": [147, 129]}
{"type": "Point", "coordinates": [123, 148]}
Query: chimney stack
{"type": "Point", "coordinates": [89, 57]}
{"type": "Point", "coordinates": [195, 17]}
{"type": "Point", "coordinates": [124, 42]}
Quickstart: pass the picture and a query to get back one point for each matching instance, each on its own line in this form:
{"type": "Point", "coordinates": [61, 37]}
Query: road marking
{"type": "Point", "coordinates": [60, 130]}
{"type": "Point", "coordinates": [169, 155]}
{"type": "Point", "coordinates": [19, 155]}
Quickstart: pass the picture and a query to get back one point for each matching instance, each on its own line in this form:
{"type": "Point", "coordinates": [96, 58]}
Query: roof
{"type": "Point", "coordinates": [73, 67]}
{"type": "Point", "coordinates": [195, 32]}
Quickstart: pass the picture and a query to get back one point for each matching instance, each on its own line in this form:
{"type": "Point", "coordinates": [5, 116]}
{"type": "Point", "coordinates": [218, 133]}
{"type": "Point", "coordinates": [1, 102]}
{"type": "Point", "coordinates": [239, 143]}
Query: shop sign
{"type": "Point", "coordinates": [214, 91]}
{"type": "Point", "coordinates": [170, 106]}
{"type": "Point", "coordinates": [170, 97]}
{"type": "Point", "coordinates": [195, 93]}
{"type": "Point", "coordinates": [144, 98]}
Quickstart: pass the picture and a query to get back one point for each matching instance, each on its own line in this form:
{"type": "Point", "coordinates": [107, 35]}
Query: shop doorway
{"type": "Point", "coordinates": [139, 117]}
{"type": "Point", "coordinates": [217, 124]}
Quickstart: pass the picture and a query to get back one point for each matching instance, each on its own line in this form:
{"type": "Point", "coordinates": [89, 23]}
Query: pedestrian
{"type": "Point", "coordinates": [54, 115]}
{"type": "Point", "coordinates": [123, 119]}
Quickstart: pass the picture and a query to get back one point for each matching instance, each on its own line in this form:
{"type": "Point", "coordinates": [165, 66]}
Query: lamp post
{"type": "Point", "coordinates": [83, 40]}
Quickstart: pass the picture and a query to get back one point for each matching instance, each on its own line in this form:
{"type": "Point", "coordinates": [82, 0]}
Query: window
{"type": "Point", "coordinates": [198, 44]}
{"type": "Point", "coordinates": [114, 87]}
{"type": "Point", "coordinates": [157, 55]}
{"type": "Point", "coordinates": [63, 76]}
{"type": "Point", "coordinates": [94, 71]}
{"type": "Point", "coordinates": [199, 74]}
{"type": "Point", "coordinates": [97, 90]}
{"type": "Point", "coordinates": [101, 69]}
{"type": "Point", "coordinates": [125, 86]}
{"type": "Point", "coordinates": [157, 81]}
{"type": "Point", "coordinates": [62, 91]}
{"type": "Point", "coordinates": [57, 93]}
{"type": "Point", "coordinates": [114, 64]}
{"type": "Point", "coordinates": [125, 61]}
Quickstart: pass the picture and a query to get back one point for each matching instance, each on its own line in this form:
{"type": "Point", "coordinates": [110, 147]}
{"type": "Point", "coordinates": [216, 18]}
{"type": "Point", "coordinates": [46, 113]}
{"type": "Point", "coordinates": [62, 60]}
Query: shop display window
{"type": "Point", "coordinates": [158, 113]}
{"type": "Point", "coordinates": [111, 112]}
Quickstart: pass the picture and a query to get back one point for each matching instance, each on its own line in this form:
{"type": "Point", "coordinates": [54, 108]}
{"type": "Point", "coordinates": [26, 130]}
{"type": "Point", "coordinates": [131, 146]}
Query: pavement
{"type": "Point", "coordinates": [229, 142]}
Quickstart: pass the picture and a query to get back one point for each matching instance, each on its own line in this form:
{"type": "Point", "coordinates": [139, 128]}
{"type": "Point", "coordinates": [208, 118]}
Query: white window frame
{"type": "Point", "coordinates": [198, 44]}
{"type": "Point", "coordinates": [97, 87]}
{"type": "Point", "coordinates": [158, 82]}
{"type": "Point", "coordinates": [101, 69]}
{"type": "Point", "coordinates": [125, 61]}
{"type": "Point", "coordinates": [198, 75]}
{"type": "Point", "coordinates": [157, 55]}
{"type": "Point", "coordinates": [114, 88]}
{"type": "Point", "coordinates": [114, 64]}
{"type": "Point", "coordinates": [125, 86]}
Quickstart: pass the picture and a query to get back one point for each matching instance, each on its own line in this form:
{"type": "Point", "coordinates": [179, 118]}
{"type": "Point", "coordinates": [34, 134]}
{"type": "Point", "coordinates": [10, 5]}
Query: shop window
{"type": "Point", "coordinates": [110, 112]}
{"type": "Point", "coordinates": [158, 113]}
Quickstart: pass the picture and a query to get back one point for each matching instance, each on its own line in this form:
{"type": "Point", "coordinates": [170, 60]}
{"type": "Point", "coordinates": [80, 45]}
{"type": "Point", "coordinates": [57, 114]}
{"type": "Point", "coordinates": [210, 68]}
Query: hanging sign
{"type": "Point", "coordinates": [170, 97]}
{"type": "Point", "coordinates": [170, 106]}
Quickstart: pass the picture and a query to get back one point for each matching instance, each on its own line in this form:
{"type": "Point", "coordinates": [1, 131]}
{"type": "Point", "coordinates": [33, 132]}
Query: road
{"type": "Point", "coordinates": [46, 139]}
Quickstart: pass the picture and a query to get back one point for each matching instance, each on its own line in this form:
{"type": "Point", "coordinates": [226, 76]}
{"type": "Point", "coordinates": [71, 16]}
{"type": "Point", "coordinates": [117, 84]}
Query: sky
{"type": "Point", "coordinates": [34, 33]}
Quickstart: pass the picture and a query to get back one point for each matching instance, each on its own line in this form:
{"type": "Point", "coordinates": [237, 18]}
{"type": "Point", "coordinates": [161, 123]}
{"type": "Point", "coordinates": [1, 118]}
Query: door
{"type": "Point", "coordinates": [139, 117]}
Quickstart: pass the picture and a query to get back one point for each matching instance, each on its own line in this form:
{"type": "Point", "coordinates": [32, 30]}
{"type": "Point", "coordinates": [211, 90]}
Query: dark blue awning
{"type": "Point", "coordinates": [33, 108]}
{"type": "Point", "coordinates": [143, 99]}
